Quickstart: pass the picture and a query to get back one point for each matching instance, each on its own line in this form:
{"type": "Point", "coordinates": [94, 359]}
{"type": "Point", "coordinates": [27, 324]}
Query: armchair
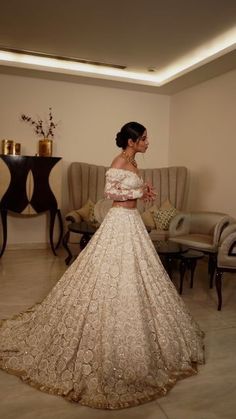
{"type": "Point", "coordinates": [200, 231]}
{"type": "Point", "coordinates": [226, 258]}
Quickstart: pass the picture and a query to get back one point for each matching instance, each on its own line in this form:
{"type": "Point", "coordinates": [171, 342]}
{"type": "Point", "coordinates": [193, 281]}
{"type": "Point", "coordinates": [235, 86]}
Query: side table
{"type": "Point", "coordinates": [86, 229]}
{"type": "Point", "coordinates": [171, 251]}
{"type": "Point", "coordinates": [29, 186]}
{"type": "Point", "coordinates": [188, 260]}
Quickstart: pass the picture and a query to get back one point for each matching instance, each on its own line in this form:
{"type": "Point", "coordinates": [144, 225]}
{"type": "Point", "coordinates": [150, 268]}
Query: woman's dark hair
{"type": "Point", "coordinates": [131, 130]}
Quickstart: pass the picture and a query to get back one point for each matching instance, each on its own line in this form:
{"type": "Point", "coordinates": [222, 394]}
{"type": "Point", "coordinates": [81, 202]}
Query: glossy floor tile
{"type": "Point", "coordinates": [27, 276]}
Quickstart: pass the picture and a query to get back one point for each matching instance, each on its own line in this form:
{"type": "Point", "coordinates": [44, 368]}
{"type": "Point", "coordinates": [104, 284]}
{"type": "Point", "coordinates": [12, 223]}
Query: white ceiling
{"type": "Point", "coordinates": [137, 34]}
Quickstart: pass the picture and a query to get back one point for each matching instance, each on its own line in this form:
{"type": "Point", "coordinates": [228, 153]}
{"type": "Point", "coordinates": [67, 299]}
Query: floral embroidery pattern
{"type": "Point", "coordinates": [122, 185]}
{"type": "Point", "coordinates": [113, 332]}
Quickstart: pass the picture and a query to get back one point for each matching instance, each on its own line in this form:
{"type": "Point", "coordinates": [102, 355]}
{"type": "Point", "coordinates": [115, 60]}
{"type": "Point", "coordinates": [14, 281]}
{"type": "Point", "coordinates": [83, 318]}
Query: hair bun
{"type": "Point", "coordinates": [119, 139]}
{"type": "Point", "coordinates": [132, 130]}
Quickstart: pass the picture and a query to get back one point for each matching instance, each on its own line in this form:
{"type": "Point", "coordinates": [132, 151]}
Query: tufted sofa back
{"type": "Point", "coordinates": [87, 181]}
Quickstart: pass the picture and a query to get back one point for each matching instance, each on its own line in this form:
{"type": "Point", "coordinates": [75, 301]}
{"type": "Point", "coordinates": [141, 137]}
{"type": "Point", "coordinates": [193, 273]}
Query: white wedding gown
{"type": "Point", "coordinates": [113, 332]}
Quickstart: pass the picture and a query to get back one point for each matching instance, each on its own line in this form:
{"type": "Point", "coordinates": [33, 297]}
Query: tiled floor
{"type": "Point", "coordinates": [27, 276]}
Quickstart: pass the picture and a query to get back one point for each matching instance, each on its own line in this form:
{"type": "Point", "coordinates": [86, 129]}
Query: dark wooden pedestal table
{"type": "Point", "coordinates": [188, 260]}
{"type": "Point", "coordinates": [27, 191]}
{"type": "Point", "coordinates": [170, 252]}
{"type": "Point", "coordinates": [86, 229]}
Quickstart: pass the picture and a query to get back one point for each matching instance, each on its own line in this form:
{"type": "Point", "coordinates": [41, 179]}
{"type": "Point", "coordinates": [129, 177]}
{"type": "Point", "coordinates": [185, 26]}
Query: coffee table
{"type": "Point", "coordinates": [188, 260]}
{"type": "Point", "coordinates": [86, 229]}
{"type": "Point", "coordinates": [171, 251]}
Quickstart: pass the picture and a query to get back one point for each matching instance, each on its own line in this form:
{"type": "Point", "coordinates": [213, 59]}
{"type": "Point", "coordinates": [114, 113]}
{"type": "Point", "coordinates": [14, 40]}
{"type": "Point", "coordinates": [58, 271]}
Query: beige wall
{"type": "Point", "coordinates": [195, 128]}
{"type": "Point", "coordinates": [89, 118]}
{"type": "Point", "coordinates": [203, 138]}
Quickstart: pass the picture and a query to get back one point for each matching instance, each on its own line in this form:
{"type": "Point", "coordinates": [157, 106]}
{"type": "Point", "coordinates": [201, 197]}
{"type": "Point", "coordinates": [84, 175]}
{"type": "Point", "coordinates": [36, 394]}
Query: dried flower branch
{"type": "Point", "coordinates": [42, 128]}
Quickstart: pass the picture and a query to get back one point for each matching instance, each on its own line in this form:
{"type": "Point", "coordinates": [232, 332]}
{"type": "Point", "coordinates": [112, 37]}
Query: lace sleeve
{"type": "Point", "coordinates": [121, 188]}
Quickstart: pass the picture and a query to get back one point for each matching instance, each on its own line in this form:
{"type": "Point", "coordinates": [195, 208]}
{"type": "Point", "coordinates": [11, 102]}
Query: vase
{"type": "Point", "coordinates": [45, 147]}
{"type": "Point", "coordinates": [7, 147]}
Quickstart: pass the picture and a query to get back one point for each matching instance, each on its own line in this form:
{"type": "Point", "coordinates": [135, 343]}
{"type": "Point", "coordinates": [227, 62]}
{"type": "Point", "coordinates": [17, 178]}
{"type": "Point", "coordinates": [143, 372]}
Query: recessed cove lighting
{"type": "Point", "coordinates": [83, 61]}
{"type": "Point", "coordinates": [217, 47]}
{"type": "Point", "coordinates": [65, 66]}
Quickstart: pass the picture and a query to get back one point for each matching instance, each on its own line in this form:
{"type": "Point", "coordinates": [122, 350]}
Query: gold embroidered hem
{"type": "Point", "coordinates": [113, 332]}
{"type": "Point", "coordinates": [173, 378]}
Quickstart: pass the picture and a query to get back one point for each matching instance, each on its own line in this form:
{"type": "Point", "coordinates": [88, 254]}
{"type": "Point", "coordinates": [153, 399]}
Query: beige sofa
{"type": "Point", "coordinates": [86, 187]}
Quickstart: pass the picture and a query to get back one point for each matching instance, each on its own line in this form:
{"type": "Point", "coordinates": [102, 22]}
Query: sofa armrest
{"type": "Point", "coordinates": [220, 227]}
{"type": "Point", "coordinates": [73, 217]}
{"type": "Point", "coordinates": [226, 257]}
{"type": "Point", "coordinates": [231, 228]}
{"type": "Point", "coordinates": [179, 225]}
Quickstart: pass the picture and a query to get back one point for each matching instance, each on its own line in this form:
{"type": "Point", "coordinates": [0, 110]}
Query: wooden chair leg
{"type": "Point", "coordinates": [182, 270]}
{"type": "Point", "coordinates": [212, 267]}
{"type": "Point", "coordinates": [219, 275]}
{"type": "Point", "coordinates": [193, 264]}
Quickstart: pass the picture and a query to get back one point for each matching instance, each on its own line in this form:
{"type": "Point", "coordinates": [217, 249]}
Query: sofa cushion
{"type": "Point", "coordinates": [87, 212]}
{"type": "Point", "coordinates": [92, 218]}
{"type": "Point", "coordinates": [147, 217]}
{"type": "Point", "coordinates": [86, 209]}
{"type": "Point", "coordinates": [163, 215]}
{"type": "Point", "coordinates": [194, 241]}
{"type": "Point", "coordinates": [157, 235]}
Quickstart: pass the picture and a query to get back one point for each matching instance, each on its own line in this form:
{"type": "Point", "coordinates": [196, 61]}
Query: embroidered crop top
{"type": "Point", "coordinates": [122, 185]}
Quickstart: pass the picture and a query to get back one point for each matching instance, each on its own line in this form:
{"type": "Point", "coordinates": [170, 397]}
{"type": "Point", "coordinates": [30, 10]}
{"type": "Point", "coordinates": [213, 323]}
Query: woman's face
{"type": "Point", "coordinates": [141, 145]}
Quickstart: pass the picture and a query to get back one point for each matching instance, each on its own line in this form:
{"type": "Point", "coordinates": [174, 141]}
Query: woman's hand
{"type": "Point", "coordinates": [149, 193]}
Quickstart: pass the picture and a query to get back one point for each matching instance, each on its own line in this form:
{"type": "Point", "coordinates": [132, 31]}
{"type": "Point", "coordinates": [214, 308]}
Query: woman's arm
{"type": "Point", "coordinates": [149, 193]}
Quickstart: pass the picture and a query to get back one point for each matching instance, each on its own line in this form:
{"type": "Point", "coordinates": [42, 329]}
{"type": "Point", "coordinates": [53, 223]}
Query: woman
{"type": "Point", "coordinates": [113, 332]}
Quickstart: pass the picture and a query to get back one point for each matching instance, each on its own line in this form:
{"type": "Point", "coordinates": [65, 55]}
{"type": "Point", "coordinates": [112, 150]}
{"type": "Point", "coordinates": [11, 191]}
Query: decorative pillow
{"type": "Point", "coordinates": [147, 217]}
{"type": "Point", "coordinates": [86, 212]}
{"type": "Point", "coordinates": [164, 215]}
{"type": "Point", "coordinates": [92, 218]}
{"type": "Point", "coordinates": [101, 208]}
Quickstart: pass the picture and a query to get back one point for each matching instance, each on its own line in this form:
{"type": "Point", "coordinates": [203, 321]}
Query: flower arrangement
{"type": "Point", "coordinates": [42, 128]}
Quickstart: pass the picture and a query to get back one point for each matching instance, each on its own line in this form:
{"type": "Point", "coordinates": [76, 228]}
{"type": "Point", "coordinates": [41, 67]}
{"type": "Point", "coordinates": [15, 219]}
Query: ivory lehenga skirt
{"type": "Point", "coordinates": [113, 332]}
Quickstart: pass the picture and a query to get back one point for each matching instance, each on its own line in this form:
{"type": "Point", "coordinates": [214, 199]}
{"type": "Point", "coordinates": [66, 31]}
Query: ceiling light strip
{"type": "Point", "coordinates": [204, 54]}
{"type": "Point", "coordinates": [61, 58]}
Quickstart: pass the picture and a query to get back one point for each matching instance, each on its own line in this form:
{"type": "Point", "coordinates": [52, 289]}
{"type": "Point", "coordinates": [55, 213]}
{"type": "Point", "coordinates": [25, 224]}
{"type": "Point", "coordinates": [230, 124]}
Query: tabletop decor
{"type": "Point", "coordinates": [45, 129]}
{"type": "Point", "coordinates": [10, 147]}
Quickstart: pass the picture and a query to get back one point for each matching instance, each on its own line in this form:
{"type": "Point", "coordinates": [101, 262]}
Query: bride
{"type": "Point", "coordinates": [113, 332]}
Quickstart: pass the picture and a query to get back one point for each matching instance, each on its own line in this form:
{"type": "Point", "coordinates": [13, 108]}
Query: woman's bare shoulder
{"type": "Point", "coordinates": [118, 163]}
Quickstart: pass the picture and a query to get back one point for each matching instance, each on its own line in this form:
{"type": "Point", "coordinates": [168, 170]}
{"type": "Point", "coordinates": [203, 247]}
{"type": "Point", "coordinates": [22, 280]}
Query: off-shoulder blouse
{"type": "Point", "coordinates": [122, 185]}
